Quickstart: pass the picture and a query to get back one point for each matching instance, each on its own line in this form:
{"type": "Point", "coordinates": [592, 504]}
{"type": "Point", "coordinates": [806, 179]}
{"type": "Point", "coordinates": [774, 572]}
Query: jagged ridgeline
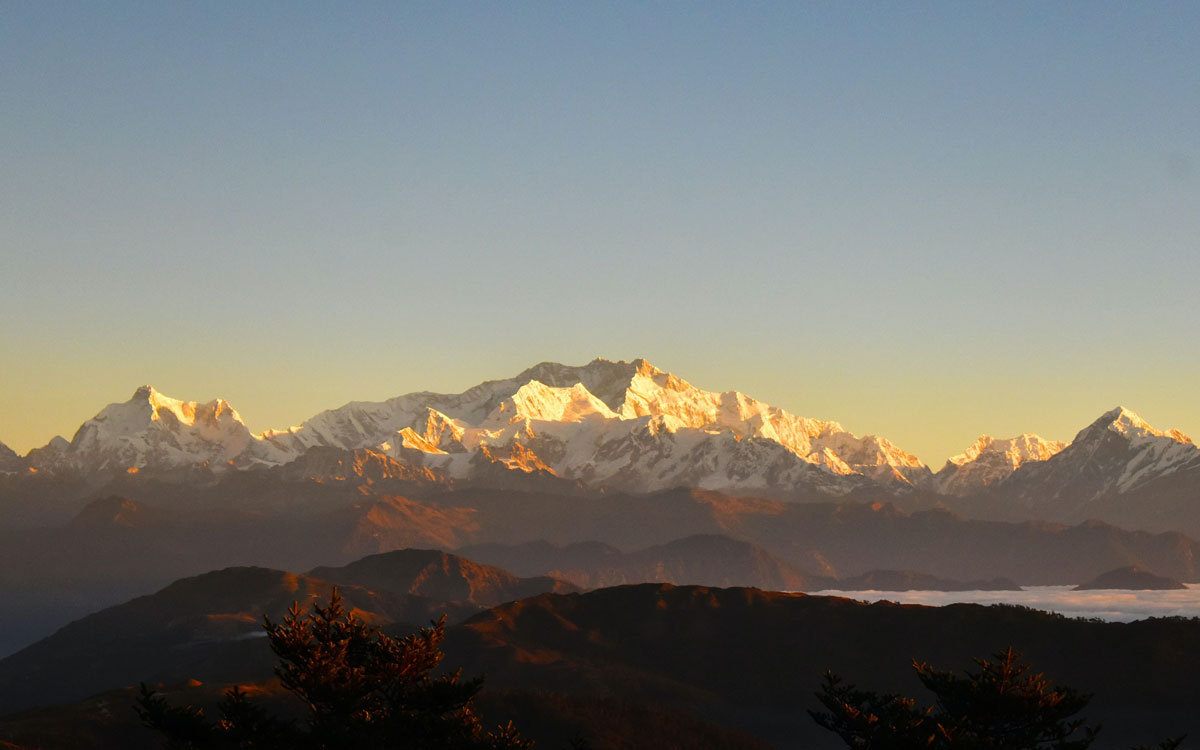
{"type": "Point", "coordinates": [630, 426]}
{"type": "Point", "coordinates": [599, 423]}
{"type": "Point", "coordinates": [605, 424]}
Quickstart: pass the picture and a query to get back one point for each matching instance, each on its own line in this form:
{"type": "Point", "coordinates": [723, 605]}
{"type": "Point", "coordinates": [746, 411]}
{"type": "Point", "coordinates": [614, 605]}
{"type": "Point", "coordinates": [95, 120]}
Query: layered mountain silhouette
{"type": "Point", "coordinates": [1130, 577]}
{"type": "Point", "coordinates": [744, 657]}
{"type": "Point", "coordinates": [740, 658]}
{"type": "Point", "coordinates": [704, 559]}
{"type": "Point", "coordinates": [440, 575]}
{"type": "Point", "coordinates": [590, 476]}
{"type": "Point", "coordinates": [118, 546]}
{"type": "Point", "coordinates": [203, 625]}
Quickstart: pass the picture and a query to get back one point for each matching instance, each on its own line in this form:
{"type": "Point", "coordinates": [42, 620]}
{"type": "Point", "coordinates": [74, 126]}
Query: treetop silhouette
{"type": "Point", "coordinates": [361, 689]}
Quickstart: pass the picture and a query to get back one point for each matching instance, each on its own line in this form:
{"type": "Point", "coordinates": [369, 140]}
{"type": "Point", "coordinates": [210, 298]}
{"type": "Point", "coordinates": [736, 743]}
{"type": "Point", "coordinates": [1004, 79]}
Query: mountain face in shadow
{"type": "Point", "coordinates": [828, 539]}
{"type": "Point", "coordinates": [440, 575]}
{"type": "Point", "coordinates": [211, 624]}
{"type": "Point", "coordinates": [751, 659]}
{"type": "Point", "coordinates": [702, 559]}
{"type": "Point", "coordinates": [205, 626]}
{"type": "Point", "coordinates": [1118, 469]}
{"type": "Point", "coordinates": [1130, 578]}
{"type": "Point", "coordinates": [705, 560]}
{"type": "Point", "coordinates": [126, 545]}
{"type": "Point", "coordinates": [741, 658]}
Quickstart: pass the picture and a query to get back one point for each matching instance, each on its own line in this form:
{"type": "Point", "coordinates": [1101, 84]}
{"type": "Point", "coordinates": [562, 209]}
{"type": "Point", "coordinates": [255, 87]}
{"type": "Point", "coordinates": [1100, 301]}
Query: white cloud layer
{"type": "Point", "coordinates": [1106, 604]}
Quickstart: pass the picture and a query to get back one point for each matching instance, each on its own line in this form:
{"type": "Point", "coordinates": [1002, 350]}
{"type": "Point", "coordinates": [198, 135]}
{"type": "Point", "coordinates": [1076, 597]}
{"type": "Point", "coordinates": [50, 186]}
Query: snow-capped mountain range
{"type": "Point", "coordinates": [150, 432]}
{"type": "Point", "coordinates": [619, 425]}
{"type": "Point", "coordinates": [1117, 455]}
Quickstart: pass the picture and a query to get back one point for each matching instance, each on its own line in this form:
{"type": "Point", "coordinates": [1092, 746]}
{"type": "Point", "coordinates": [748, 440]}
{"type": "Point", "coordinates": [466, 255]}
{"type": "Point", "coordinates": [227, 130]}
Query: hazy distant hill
{"type": "Point", "coordinates": [440, 575]}
{"type": "Point", "coordinates": [741, 658]}
{"type": "Point", "coordinates": [121, 546]}
{"type": "Point", "coordinates": [751, 659]}
{"type": "Point", "coordinates": [702, 559]}
{"type": "Point", "coordinates": [834, 539]}
{"type": "Point", "coordinates": [185, 621]}
{"type": "Point", "coordinates": [204, 626]}
{"type": "Point", "coordinates": [706, 560]}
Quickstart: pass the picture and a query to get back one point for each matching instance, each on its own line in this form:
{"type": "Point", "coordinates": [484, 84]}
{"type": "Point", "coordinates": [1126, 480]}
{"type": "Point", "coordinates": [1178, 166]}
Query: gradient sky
{"type": "Point", "coordinates": [924, 220]}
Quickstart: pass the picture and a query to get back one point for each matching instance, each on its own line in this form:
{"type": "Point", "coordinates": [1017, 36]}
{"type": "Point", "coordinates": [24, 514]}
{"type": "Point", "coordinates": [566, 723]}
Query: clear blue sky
{"type": "Point", "coordinates": [924, 220]}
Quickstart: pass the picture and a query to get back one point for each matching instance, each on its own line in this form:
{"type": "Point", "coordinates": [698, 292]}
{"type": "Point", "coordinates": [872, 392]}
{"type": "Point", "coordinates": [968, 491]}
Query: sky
{"type": "Point", "coordinates": [926, 221]}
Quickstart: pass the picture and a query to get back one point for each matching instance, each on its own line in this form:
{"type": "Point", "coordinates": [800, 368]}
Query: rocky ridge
{"type": "Point", "coordinates": [990, 461]}
{"type": "Point", "coordinates": [624, 425]}
{"type": "Point", "coordinates": [1118, 455]}
{"type": "Point", "coordinates": [618, 426]}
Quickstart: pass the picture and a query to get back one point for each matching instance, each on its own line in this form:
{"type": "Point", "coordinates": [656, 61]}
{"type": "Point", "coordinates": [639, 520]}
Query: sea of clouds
{"type": "Point", "coordinates": [1114, 605]}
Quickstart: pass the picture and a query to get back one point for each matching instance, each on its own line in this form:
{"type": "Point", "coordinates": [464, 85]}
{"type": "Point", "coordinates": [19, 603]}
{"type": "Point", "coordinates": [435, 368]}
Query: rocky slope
{"type": "Point", "coordinates": [1119, 469]}
{"type": "Point", "coordinates": [10, 462]}
{"type": "Point", "coordinates": [183, 626]}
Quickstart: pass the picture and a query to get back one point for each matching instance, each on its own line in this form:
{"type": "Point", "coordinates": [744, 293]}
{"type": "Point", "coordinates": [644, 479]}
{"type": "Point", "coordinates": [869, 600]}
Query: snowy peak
{"type": "Point", "coordinates": [1128, 424]}
{"type": "Point", "coordinates": [1129, 452]}
{"type": "Point", "coordinates": [1013, 451]}
{"type": "Point", "coordinates": [603, 423]}
{"type": "Point", "coordinates": [537, 401]}
{"type": "Point", "coordinates": [148, 405]}
{"type": "Point", "coordinates": [629, 389]}
{"type": "Point", "coordinates": [438, 429]}
{"type": "Point", "coordinates": [1115, 455]}
{"type": "Point", "coordinates": [211, 419]}
{"type": "Point", "coordinates": [215, 420]}
{"type": "Point", "coordinates": [989, 461]}
{"type": "Point", "coordinates": [605, 379]}
{"type": "Point", "coordinates": [150, 430]}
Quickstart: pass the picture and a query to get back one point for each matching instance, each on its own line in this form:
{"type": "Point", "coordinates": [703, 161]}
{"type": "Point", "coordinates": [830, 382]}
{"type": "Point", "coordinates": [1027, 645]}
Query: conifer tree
{"type": "Point", "coordinates": [361, 689]}
{"type": "Point", "coordinates": [1002, 706]}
